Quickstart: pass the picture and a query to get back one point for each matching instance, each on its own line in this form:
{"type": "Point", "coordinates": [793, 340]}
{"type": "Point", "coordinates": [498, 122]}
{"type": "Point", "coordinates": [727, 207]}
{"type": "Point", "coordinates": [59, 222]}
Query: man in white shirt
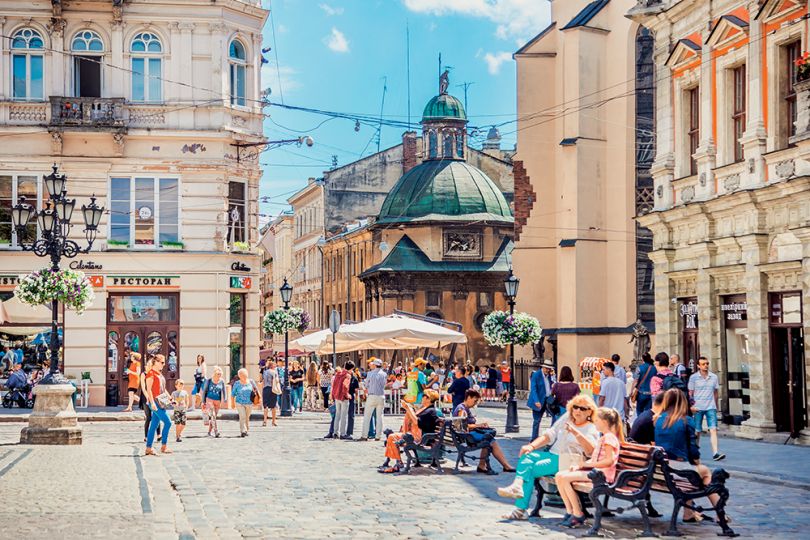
{"type": "Point", "coordinates": [612, 393]}
{"type": "Point", "coordinates": [375, 400]}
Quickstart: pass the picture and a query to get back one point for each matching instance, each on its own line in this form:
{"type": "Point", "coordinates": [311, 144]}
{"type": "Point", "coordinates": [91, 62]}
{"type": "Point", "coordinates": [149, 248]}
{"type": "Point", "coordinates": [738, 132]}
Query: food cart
{"type": "Point", "coordinates": [590, 375]}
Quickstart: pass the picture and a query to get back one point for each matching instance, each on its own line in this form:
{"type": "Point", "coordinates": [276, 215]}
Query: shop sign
{"type": "Point", "coordinates": [96, 281]}
{"type": "Point", "coordinates": [9, 281]}
{"type": "Point", "coordinates": [84, 265]}
{"type": "Point", "coordinates": [240, 267]}
{"type": "Point", "coordinates": [735, 311]}
{"type": "Point", "coordinates": [241, 282]}
{"type": "Point", "coordinates": [689, 312]}
{"type": "Point", "coordinates": [154, 282]}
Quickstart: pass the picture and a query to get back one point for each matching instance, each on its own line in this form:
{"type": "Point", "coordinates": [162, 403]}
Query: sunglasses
{"type": "Point", "coordinates": [580, 408]}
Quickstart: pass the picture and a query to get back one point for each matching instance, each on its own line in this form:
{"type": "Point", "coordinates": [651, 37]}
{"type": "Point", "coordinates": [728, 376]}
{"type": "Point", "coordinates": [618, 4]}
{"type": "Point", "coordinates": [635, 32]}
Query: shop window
{"type": "Point", "coordinates": [790, 53]}
{"type": "Point", "coordinates": [736, 394]}
{"type": "Point", "coordinates": [146, 308]}
{"type": "Point", "coordinates": [144, 212]}
{"type": "Point", "coordinates": [236, 212]}
{"type": "Point", "coordinates": [238, 72]}
{"type": "Point", "coordinates": [236, 332]}
{"type": "Point", "coordinates": [27, 65]}
{"type": "Point", "coordinates": [485, 300]}
{"type": "Point", "coordinates": [693, 123]}
{"type": "Point", "coordinates": [739, 82]}
{"type": "Point", "coordinates": [146, 61]}
{"type": "Point", "coordinates": [12, 189]}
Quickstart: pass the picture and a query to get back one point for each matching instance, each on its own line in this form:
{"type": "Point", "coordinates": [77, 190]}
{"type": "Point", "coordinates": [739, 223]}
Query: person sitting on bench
{"type": "Point", "coordinates": [417, 422]}
{"type": "Point", "coordinates": [605, 457]}
{"type": "Point", "coordinates": [572, 435]}
{"type": "Point", "coordinates": [480, 432]}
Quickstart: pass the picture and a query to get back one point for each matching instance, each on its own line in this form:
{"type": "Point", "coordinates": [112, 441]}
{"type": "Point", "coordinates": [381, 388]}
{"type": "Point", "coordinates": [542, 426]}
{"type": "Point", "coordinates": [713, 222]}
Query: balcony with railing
{"type": "Point", "coordinates": [87, 112]}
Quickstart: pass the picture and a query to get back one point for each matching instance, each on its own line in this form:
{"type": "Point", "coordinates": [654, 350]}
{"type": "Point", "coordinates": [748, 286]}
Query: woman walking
{"type": "Point", "coordinates": [158, 401]}
{"type": "Point", "coordinates": [199, 379]}
{"type": "Point", "coordinates": [297, 385]}
{"type": "Point", "coordinates": [325, 377]}
{"type": "Point", "coordinates": [570, 437]}
{"type": "Point", "coordinates": [214, 396]}
{"type": "Point", "coordinates": [313, 387]}
{"type": "Point", "coordinates": [147, 412]}
{"type": "Point", "coordinates": [133, 379]}
{"type": "Point", "coordinates": [271, 388]}
{"type": "Point", "coordinates": [242, 392]}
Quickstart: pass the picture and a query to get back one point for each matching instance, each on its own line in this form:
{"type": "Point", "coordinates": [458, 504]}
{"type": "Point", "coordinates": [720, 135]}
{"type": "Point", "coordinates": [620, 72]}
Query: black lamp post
{"type": "Point", "coordinates": [286, 405]}
{"type": "Point", "coordinates": [54, 224]}
{"type": "Point", "coordinates": [511, 284]}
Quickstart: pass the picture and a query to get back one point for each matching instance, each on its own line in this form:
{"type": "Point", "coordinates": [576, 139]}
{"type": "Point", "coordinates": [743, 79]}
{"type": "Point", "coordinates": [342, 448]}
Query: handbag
{"type": "Point", "coordinates": [552, 405]}
{"type": "Point", "coordinates": [276, 386]}
{"type": "Point", "coordinates": [164, 400]}
{"type": "Point", "coordinates": [254, 394]}
{"type": "Point", "coordinates": [634, 393]}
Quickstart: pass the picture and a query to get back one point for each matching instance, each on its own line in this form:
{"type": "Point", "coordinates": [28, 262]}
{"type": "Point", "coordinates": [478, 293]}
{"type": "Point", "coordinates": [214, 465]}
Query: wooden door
{"type": "Point", "coordinates": [787, 362]}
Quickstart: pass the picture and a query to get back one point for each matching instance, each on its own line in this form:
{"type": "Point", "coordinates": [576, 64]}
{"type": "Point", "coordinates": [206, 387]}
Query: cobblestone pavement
{"type": "Point", "coordinates": [286, 482]}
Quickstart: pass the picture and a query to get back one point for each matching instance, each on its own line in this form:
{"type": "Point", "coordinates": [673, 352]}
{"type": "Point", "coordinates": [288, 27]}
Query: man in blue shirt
{"type": "Point", "coordinates": [458, 388]}
{"type": "Point", "coordinates": [18, 378]}
{"type": "Point", "coordinates": [641, 386]}
{"type": "Point", "coordinates": [540, 389]}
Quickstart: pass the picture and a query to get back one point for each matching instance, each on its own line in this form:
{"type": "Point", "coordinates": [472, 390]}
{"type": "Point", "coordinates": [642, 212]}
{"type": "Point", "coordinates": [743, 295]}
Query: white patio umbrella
{"type": "Point", "coordinates": [312, 342]}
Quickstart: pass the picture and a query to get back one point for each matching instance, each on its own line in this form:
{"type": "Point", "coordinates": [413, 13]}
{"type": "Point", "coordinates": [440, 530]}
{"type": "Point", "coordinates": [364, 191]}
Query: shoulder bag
{"type": "Point", "coordinates": [254, 394]}
{"type": "Point", "coordinates": [634, 393]}
{"type": "Point", "coordinates": [276, 385]}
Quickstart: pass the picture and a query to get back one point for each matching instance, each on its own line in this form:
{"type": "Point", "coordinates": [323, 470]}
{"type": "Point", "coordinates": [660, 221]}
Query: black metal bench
{"type": "Point", "coordinates": [464, 444]}
{"type": "Point", "coordinates": [429, 448]}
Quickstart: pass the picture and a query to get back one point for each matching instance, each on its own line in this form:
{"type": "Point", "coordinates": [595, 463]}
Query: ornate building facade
{"type": "Point", "coordinates": [143, 104]}
{"type": "Point", "coordinates": [731, 220]}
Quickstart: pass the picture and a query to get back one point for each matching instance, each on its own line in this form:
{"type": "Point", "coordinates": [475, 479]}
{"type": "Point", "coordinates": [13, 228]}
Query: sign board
{"type": "Point", "coordinates": [144, 282]}
{"type": "Point", "coordinates": [240, 267]}
{"type": "Point", "coordinates": [241, 282]}
{"type": "Point", "coordinates": [9, 281]}
{"type": "Point", "coordinates": [689, 313]}
{"type": "Point", "coordinates": [84, 265]}
{"type": "Point", "coordinates": [96, 281]}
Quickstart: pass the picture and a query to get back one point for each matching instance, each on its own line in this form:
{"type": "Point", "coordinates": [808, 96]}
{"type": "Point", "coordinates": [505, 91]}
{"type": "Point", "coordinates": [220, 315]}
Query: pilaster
{"type": "Point", "coordinates": [663, 168]}
{"type": "Point", "coordinates": [804, 235]}
{"type": "Point", "coordinates": [219, 71]}
{"type": "Point", "coordinates": [666, 321]}
{"type": "Point", "coordinates": [755, 138]}
{"type": "Point", "coordinates": [173, 63]}
{"type": "Point", "coordinates": [117, 88]}
{"type": "Point", "coordinates": [5, 69]}
{"type": "Point", "coordinates": [706, 153]}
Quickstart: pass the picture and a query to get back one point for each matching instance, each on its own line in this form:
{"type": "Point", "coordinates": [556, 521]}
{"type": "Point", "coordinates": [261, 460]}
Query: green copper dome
{"type": "Point", "coordinates": [445, 190]}
{"type": "Point", "coordinates": [444, 106]}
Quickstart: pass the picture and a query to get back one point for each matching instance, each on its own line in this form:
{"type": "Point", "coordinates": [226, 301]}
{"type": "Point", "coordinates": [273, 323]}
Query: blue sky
{"type": "Point", "coordinates": [334, 55]}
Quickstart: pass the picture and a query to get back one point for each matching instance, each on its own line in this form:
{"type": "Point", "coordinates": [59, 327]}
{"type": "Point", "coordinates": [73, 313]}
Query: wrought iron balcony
{"type": "Point", "coordinates": [86, 112]}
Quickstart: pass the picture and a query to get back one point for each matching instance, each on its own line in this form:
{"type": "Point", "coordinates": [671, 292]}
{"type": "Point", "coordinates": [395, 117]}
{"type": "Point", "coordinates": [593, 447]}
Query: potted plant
{"type": "Point", "coordinates": [70, 287]}
{"type": "Point", "coordinates": [502, 328]}
{"type": "Point", "coordinates": [172, 245]}
{"type": "Point", "coordinates": [117, 243]}
{"type": "Point", "coordinates": [279, 321]}
{"type": "Point", "coordinates": [242, 247]}
{"type": "Point", "coordinates": [802, 67]}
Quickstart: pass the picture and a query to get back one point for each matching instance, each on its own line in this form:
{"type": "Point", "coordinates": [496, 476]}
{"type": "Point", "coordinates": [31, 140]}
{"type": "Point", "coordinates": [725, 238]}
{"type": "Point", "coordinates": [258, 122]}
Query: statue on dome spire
{"type": "Point", "coordinates": [444, 82]}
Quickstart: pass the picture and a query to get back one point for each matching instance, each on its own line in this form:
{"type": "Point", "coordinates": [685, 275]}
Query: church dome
{"type": "Point", "coordinates": [444, 107]}
{"type": "Point", "coordinates": [445, 190]}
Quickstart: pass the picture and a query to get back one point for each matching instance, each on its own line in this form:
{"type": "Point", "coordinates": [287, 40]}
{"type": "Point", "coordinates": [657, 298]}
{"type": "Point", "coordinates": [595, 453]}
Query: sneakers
{"type": "Point", "coordinates": [718, 456]}
{"type": "Point", "coordinates": [510, 492]}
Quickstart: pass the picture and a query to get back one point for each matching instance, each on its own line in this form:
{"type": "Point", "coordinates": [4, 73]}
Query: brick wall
{"type": "Point", "coordinates": [524, 197]}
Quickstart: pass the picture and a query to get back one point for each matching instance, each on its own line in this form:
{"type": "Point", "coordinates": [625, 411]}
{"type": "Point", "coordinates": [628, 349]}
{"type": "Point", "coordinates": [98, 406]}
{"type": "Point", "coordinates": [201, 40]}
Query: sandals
{"type": "Point", "coordinates": [574, 522]}
{"type": "Point", "coordinates": [509, 469]}
{"type": "Point", "coordinates": [149, 452]}
{"type": "Point", "coordinates": [485, 471]}
{"type": "Point", "coordinates": [510, 492]}
{"type": "Point", "coordinates": [518, 514]}
{"type": "Point", "coordinates": [165, 450]}
{"type": "Point", "coordinates": [390, 470]}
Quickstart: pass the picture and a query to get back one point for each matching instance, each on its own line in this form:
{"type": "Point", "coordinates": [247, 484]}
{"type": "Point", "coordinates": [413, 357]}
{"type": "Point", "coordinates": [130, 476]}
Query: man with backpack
{"type": "Point", "coordinates": [665, 378]}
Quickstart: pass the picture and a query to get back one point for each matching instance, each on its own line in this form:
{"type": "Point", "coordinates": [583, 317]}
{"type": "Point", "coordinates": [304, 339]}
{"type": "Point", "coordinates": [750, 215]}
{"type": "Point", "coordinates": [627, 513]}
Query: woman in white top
{"type": "Point", "coordinates": [571, 436]}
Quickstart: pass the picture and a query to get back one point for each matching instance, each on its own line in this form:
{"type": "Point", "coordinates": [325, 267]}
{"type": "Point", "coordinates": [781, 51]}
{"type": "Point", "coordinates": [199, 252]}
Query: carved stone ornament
{"type": "Point", "coordinates": [702, 179]}
{"type": "Point", "coordinates": [118, 139]}
{"type": "Point", "coordinates": [56, 142]}
{"type": "Point", "coordinates": [659, 191]}
{"type": "Point", "coordinates": [688, 193]}
{"type": "Point", "coordinates": [462, 245]}
{"type": "Point", "coordinates": [731, 182]}
{"type": "Point", "coordinates": [785, 169]}
{"type": "Point", "coordinates": [752, 166]}
{"type": "Point", "coordinates": [57, 26]}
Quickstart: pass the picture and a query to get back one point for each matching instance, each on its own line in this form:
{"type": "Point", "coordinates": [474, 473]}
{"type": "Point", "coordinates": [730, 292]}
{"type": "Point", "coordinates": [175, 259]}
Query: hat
{"type": "Point", "coordinates": [419, 362]}
{"type": "Point", "coordinates": [375, 361]}
{"type": "Point", "coordinates": [504, 363]}
{"type": "Point", "coordinates": [547, 364]}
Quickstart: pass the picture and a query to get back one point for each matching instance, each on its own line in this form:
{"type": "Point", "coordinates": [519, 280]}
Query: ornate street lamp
{"type": "Point", "coordinates": [286, 405]}
{"type": "Point", "coordinates": [511, 284]}
{"type": "Point", "coordinates": [54, 225]}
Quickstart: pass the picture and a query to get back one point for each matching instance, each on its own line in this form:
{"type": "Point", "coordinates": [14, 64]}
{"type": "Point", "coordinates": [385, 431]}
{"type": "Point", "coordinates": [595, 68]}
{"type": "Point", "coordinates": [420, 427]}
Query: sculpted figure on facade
{"type": "Point", "coordinates": [641, 337]}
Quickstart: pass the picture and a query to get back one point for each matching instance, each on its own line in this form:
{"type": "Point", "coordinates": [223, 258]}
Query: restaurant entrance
{"type": "Point", "coordinates": [787, 362]}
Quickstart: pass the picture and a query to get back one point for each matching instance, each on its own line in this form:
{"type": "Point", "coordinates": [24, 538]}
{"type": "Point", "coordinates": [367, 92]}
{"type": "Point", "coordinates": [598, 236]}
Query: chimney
{"type": "Point", "coordinates": [409, 159]}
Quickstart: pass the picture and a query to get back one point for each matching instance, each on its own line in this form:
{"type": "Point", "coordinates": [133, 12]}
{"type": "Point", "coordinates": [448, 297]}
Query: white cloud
{"type": "Point", "coordinates": [331, 11]}
{"type": "Point", "coordinates": [494, 61]}
{"type": "Point", "coordinates": [287, 83]}
{"type": "Point", "coordinates": [337, 41]}
{"type": "Point", "coordinates": [519, 19]}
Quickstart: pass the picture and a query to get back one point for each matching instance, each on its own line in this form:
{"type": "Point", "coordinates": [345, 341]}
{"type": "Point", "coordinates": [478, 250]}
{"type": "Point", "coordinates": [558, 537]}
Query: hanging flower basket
{"type": "Point", "coordinates": [802, 67]}
{"type": "Point", "coordinates": [279, 321]}
{"type": "Point", "coordinates": [500, 329]}
{"type": "Point", "coordinates": [70, 287]}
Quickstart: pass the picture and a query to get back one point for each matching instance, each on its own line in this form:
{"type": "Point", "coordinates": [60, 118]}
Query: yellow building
{"type": "Point", "coordinates": [584, 151]}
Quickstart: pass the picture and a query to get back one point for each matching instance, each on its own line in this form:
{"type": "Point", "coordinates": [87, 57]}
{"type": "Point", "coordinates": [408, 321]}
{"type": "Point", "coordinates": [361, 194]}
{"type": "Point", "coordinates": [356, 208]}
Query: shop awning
{"type": "Point", "coordinates": [15, 312]}
{"type": "Point", "coordinates": [20, 330]}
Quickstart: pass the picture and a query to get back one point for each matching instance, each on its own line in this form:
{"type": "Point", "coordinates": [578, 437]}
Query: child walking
{"type": "Point", "coordinates": [181, 401]}
{"type": "Point", "coordinates": [604, 458]}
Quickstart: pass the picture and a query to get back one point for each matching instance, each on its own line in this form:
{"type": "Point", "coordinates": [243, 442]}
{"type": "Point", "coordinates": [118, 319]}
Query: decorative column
{"type": "Point", "coordinates": [755, 137]}
{"type": "Point", "coordinates": [706, 153]}
{"type": "Point", "coordinates": [754, 253]}
{"type": "Point", "coordinates": [59, 81]}
{"type": "Point", "coordinates": [666, 318]}
{"type": "Point", "coordinates": [663, 168]}
{"type": "Point", "coordinates": [219, 71]}
{"type": "Point", "coordinates": [117, 47]}
{"type": "Point", "coordinates": [5, 70]}
{"type": "Point", "coordinates": [173, 61]}
{"type": "Point", "coordinates": [185, 61]}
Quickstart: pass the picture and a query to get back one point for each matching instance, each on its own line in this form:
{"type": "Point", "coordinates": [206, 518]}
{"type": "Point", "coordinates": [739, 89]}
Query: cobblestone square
{"type": "Point", "coordinates": [287, 482]}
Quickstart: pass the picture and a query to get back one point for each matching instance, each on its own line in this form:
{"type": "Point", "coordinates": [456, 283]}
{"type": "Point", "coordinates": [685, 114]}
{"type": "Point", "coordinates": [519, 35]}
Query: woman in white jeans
{"type": "Point", "coordinates": [241, 392]}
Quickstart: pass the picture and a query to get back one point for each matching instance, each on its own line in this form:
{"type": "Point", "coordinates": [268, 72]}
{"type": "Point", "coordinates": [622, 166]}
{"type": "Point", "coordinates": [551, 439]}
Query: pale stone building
{"type": "Point", "coordinates": [584, 148]}
{"type": "Point", "coordinates": [307, 271]}
{"type": "Point", "coordinates": [267, 251]}
{"type": "Point", "coordinates": [144, 104]}
{"type": "Point", "coordinates": [731, 221]}
{"type": "Point", "coordinates": [281, 229]}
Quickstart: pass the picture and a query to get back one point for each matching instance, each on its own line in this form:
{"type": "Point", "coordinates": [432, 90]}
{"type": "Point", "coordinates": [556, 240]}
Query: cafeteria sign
{"type": "Point", "coordinates": [241, 282]}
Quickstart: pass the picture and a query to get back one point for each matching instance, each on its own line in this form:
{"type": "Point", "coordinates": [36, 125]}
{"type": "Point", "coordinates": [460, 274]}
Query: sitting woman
{"type": "Point", "coordinates": [572, 435]}
{"type": "Point", "coordinates": [479, 431]}
{"type": "Point", "coordinates": [605, 457]}
{"type": "Point", "coordinates": [417, 422]}
{"type": "Point", "coordinates": [675, 433]}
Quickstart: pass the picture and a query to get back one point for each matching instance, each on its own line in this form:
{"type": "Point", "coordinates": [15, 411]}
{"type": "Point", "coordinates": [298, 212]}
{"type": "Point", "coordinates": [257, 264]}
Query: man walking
{"type": "Point", "coordinates": [618, 371]}
{"type": "Point", "coordinates": [375, 399]}
{"type": "Point", "coordinates": [641, 386]}
{"type": "Point", "coordinates": [677, 367]}
{"type": "Point", "coordinates": [613, 392]}
{"type": "Point", "coordinates": [340, 393]}
{"type": "Point", "coordinates": [541, 382]}
{"type": "Point", "coordinates": [703, 387]}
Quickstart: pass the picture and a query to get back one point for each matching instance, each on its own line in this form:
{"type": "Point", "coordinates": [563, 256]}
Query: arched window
{"type": "Point", "coordinates": [146, 67]}
{"type": "Point", "coordinates": [460, 144]}
{"type": "Point", "coordinates": [449, 144]}
{"type": "Point", "coordinates": [27, 64]}
{"type": "Point", "coordinates": [238, 61]}
{"type": "Point", "coordinates": [87, 49]}
{"type": "Point", "coordinates": [433, 144]}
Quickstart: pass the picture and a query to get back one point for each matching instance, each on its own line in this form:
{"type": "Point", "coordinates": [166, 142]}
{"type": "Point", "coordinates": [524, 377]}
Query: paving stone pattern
{"type": "Point", "coordinates": [286, 482]}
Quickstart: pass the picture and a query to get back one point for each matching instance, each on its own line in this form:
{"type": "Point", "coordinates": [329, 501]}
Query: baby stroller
{"type": "Point", "coordinates": [21, 396]}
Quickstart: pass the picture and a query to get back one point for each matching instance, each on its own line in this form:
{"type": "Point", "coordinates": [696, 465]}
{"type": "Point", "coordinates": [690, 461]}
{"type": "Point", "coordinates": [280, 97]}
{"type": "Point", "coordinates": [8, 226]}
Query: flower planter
{"type": "Point", "coordinates": [802, 89]}
{"type": "Point", "coordinates": [283, 320]}
{"type": "Point", "coordinates": [501, 329]}
{"type": "Point", "coordinates": [70, 287]}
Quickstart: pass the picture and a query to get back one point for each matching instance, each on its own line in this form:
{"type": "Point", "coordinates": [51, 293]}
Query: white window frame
{"type": "Point", "coordinates": [27, 52]}
{"type": "Point", "coordinates": [235, 64]}
{"type": "Point", "coordinates": [99, 56]}
{"type": "Point", "coordinates": [156, 194]}
{"type": "Point", "coordinates": [246, 209]}
{"type": "Point", "coordinates": [146, 56]}
{"type": "Point", "coordinates": [15, 200]}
